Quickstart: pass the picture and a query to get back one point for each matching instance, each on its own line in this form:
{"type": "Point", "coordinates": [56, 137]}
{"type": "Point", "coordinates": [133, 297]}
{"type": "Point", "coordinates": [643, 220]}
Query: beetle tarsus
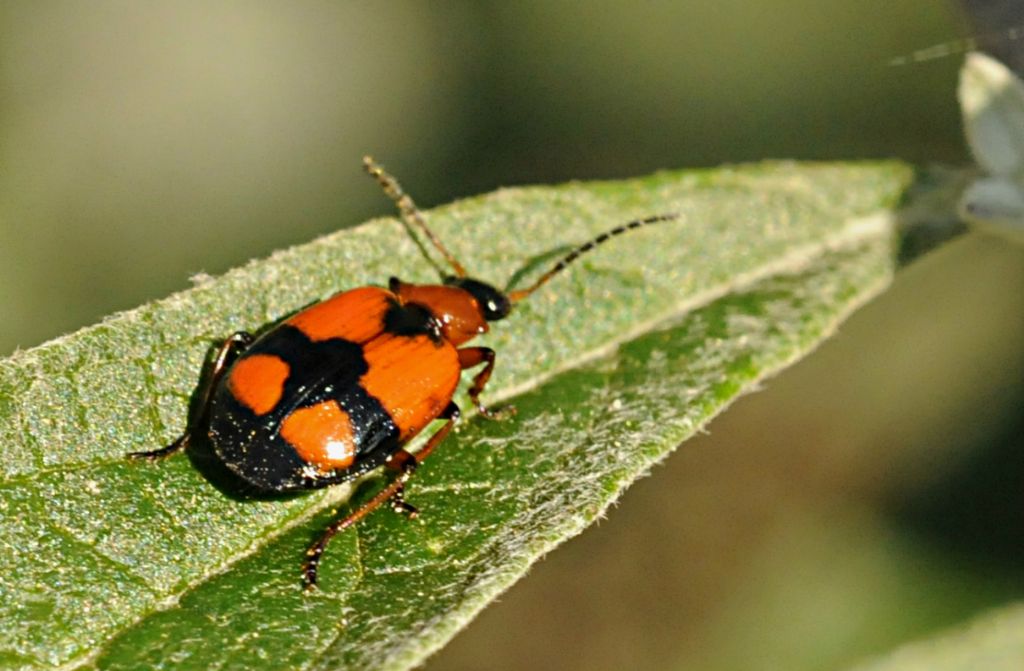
{"type": "Point", "coordinates": [496, 414]}
{"type": "Point", "coordinates": [181, 443]}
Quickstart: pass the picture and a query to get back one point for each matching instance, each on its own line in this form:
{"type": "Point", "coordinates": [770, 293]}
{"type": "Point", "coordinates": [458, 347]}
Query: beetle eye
{"type": "Point", "coordinates": [494, 304]}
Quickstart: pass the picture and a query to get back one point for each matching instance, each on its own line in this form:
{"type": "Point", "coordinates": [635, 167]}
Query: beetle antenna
{"type": "Point", "coordinates": [407, 208]}
{"type": "Point", "coordinates": [520, 294]}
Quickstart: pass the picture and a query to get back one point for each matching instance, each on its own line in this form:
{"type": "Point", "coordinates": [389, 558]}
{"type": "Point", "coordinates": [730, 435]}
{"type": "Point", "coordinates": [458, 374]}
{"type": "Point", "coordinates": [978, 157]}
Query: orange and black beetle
{"type": "Point", "coordinates": [336, 390]}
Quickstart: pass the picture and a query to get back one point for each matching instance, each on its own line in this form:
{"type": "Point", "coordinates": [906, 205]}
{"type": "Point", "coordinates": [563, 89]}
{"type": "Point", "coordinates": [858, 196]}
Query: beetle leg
{"type": "Point", "coordinates": [227, 353]}
{"type": "Point", "coordinates": [404, 464]}
{"type": "Point", "coordinates": [474, 356]}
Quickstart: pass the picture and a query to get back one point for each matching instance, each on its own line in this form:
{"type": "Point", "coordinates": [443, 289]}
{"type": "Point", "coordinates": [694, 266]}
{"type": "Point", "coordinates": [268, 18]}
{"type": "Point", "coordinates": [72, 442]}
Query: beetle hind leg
{"type": "Point", "coordinates": [226, 354]}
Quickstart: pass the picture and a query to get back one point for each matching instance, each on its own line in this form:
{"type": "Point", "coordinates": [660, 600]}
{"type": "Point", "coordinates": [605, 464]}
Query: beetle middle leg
{"type": "Point", "coordinates": [228, 352]}
{"type": "Point", "coordinates": [474, 356]}
{"type": "Point", "coordinates": [403, 464]}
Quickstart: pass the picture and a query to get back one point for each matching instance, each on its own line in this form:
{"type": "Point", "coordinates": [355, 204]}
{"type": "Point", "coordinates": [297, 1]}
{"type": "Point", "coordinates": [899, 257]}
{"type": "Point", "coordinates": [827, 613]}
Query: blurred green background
{"type": "Point", "coordinates": [872, 494]}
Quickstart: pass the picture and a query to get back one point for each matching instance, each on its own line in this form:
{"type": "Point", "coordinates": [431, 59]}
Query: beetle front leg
{"type": "Point", "coordinates": [474, 356]}
{"type": "Point", "coordinates": [228, 352]}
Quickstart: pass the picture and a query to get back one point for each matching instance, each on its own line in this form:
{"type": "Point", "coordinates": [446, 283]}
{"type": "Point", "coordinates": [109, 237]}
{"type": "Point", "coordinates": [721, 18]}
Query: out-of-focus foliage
{"type": "Point", "coordinates": [994, 643]}
{"type": "Point", "coordinates": [142, 143]}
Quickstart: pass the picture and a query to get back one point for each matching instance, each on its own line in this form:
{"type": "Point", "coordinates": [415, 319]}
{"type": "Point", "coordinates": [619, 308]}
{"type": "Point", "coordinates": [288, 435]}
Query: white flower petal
{"type": "Point", "coordinates": [997, 206]}
{"type": "Point", "coordinates": [992, 102]}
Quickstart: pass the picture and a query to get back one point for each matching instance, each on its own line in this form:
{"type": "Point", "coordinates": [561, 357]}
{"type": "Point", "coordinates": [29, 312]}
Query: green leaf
{"type": "Point", "coordinates": [993, 642]}
{"type": "Point", "coordinates": [115, 564]}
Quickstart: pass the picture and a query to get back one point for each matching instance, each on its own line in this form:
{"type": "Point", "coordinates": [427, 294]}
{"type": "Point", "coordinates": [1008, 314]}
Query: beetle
{"type": "Point", "coordinates": [338, 389]}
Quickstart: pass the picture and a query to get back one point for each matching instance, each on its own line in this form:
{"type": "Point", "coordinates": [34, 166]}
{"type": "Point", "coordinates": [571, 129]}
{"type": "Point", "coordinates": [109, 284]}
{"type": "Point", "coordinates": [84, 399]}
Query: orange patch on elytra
{"type": "Point", "coordinates": [257, 381]}
{"type": "Point", "coordinates": [413, 378]}
{"type": "Point", "coordinates": [321, 434]}
{"type": "Point", "coordinates": [355, 315]}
